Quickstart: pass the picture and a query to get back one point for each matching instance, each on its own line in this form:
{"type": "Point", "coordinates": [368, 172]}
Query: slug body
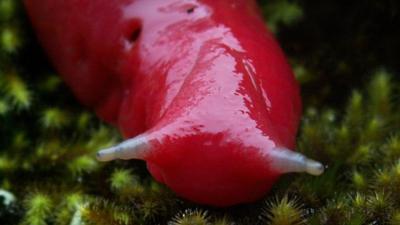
{"type": "Point", "coordinates": [200, 88]}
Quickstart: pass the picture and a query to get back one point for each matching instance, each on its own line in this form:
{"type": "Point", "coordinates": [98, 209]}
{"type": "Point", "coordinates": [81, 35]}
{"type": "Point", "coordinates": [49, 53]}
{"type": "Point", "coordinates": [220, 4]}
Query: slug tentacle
{"type": "Point", "coordinates": [288, 161]}
{"type": "Point", "coordinates": [134, 148]}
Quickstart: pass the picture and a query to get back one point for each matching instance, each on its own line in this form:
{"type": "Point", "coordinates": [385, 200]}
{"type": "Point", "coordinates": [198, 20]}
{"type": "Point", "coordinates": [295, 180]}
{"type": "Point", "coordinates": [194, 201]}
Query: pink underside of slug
{"type": "Point", "coordinates": [204, 80]}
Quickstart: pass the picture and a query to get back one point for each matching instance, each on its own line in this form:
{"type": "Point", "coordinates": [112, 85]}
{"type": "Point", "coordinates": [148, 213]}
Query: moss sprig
{"type": "Point", "coordinates": [282, 13]}
{"type": "Point", "coordinates": [101, 211]}
{"type": "Point", "coordinates": [16, 90]}
{"type": "Point", "coordinates": [38, 209]}
{"type": "Point", "coordinates": [191, 217]}
{"type": "Point", "coordinates": [284, 211]}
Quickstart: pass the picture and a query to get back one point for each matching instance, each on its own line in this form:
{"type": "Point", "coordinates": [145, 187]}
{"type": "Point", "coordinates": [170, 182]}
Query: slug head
{"type": "Point", "coordinates": [221, 108]}
{"type": "Point", "coordinates": [200, 87]}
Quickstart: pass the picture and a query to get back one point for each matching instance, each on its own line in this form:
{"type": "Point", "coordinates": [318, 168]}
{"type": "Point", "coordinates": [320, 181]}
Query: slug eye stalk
{"type": "Point", "coordinates": [288, 161]}
{"type": "Point", "coordinates": [134, 148]}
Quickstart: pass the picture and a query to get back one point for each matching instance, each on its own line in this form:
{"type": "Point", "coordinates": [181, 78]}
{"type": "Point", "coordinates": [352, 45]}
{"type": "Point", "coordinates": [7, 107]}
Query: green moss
{"type": "Point", "coordinates": [4, 107]}
{"type": "Point", "coordinates": [85, 163]}
{"type": "Point", "coordinates": [122, 179]}
{"type": "Point", "coordinates": [16, 90]}
{"type": "Point", "coordinates": [359, 181]}
{"type": "Point", "coordinates": [222, 221]}
{"type": "Point", "coordinates": [38, 209]}
{"type": "Point", "coordinates": [6, 164]}
{"type": "Point", "coordinates": [191, 217]}
{"type": "Point", "coordinates": [282, 13]}
{"type": "Point", "coordinates": [7, 9]}
{"type": "Point", "coordinates": [102, 212]}
{"type": "Point", "coordinates": [9, 40]}
{"type": "Point", "coordinates": [70, 209]}
{"type": "Point", "coordinates": [395, 218]}
{"type": "Point", "coordinates": [54, 118]}
{"type": "Point", "coordinates": [283, 211]}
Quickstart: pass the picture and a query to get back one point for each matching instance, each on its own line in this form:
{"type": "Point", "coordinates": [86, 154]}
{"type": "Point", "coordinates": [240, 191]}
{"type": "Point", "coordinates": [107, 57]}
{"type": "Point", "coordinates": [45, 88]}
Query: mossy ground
{"type": "Point", "coordinates": [345, 55]}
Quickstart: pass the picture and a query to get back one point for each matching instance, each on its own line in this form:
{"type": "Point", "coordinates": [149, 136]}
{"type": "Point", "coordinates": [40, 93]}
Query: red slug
{"type": "Point", "coordinates": [200, 89]}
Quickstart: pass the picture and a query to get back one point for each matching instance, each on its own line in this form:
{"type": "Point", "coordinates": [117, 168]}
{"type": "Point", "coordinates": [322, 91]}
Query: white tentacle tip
{"type": "Point", "coordinates": [314, 168]}
{"type": "Point", "coordinates": [287, 161]}
{"type": "Point", "coordinates": [107, 154]}
{"type": "Point", "coordinates": [134, 148]}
